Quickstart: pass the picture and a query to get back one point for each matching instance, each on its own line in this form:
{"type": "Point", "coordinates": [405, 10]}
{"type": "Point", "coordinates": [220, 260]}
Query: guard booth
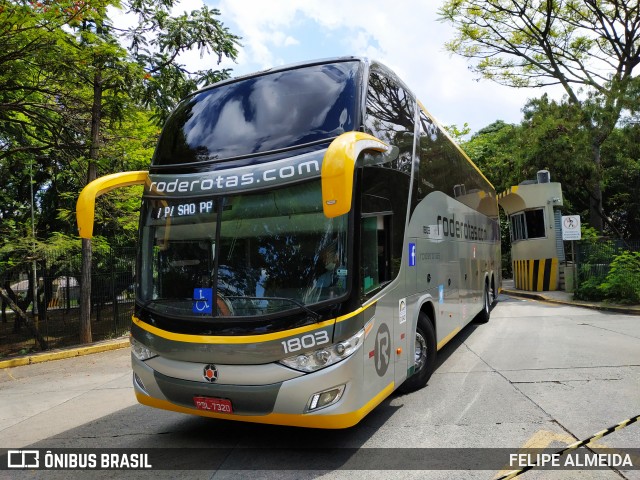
{"type": "Point", "coordinates": [533, 209]}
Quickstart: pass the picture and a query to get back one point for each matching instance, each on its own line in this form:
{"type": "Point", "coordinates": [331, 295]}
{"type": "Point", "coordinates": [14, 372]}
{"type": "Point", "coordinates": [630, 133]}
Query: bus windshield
{"type": "Point", "coordinates": [244, 255]}
{"type": "Point", "coordinates": [259, 114]}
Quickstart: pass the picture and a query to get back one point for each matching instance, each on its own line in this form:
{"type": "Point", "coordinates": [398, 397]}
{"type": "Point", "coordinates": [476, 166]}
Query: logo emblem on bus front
{"type": "Point", "coordinates": [210, 373]}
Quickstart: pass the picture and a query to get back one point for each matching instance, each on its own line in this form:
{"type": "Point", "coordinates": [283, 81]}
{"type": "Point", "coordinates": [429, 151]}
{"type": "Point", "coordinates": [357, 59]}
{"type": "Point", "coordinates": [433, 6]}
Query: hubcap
{"type": "Point", "coordinates": [421, 352]}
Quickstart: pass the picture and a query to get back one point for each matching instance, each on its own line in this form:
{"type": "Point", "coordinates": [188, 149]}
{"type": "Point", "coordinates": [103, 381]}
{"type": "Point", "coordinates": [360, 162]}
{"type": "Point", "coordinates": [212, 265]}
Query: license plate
{"type": "Point", "coordinates": [211, 404]}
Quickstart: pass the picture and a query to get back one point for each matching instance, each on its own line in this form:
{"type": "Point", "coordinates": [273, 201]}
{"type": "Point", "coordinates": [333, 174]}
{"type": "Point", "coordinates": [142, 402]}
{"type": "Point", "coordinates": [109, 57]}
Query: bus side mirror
{"type": "Point", "coordinates": [86, 205]}
{"type": "Point", "coordinates": [338, 167]}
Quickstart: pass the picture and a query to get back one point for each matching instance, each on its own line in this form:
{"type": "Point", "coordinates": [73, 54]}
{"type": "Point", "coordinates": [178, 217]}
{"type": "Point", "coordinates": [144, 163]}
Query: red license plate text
{"type": "Point", "coordinates": [211, 404]}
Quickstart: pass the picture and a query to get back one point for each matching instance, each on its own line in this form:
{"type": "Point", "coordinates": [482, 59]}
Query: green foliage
{"type": "Point", "coordinates": [607, 273]}
{"type": "Point", "coordinates": [593, 263]}
{"type": "Point", "coordinates": [62, 69]}
{"type": "Point", "coordinates": [494, 149]}
{"type": "Point", "coordinates": [592, 267]}
{"type": "Point", "coordinates": [57, 249]}
{"type": "Point", "coordinates": [596, 252]}
{"type": "Point", "coordinates": [534, 44]}
{"type": "Point", "coordinates": [458, 134]}
{"type": "Point", "coordinates": [622, 283]}
{"type": "Point", "coordinates": [588, 233]}
{"type": "Point", "coordinates": [554, 139]}
{"type": "Point", "coordinates": [551, 137]}
{"type": "Point", "coordinates": [621, 177]}
{"type": "Point", "coordinates": [589, 288]}
{"type": "Point", "coordinates": [128, 145]}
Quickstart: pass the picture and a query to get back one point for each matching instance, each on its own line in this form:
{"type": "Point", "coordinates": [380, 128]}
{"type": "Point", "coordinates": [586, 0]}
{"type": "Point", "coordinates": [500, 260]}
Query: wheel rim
{"type": "Point", "coordinates": [421, 352]}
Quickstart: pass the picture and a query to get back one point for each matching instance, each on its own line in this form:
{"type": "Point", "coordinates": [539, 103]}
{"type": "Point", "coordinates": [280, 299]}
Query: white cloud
{"type": "Point", "coordinates": [262, 24]}
{"type": "Point", "coordinates": [404, 35]}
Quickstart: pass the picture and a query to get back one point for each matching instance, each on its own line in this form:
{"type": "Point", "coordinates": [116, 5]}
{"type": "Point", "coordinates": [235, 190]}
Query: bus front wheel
{"type": "Point", "coordinates": [425, 356]}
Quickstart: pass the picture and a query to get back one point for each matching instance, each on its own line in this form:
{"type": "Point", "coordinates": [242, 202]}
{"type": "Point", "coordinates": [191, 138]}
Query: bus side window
{"type": "Point", "coordinates": [375, 252]}
{"type": "Point", "coordinates": [390, 116]}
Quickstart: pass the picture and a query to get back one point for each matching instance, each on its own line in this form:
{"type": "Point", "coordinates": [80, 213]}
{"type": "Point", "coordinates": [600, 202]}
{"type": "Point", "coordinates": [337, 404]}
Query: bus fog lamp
{"type": "Point", "coordinates": [325, 398]}
{"type": "Point", "coordinates": [323, 357]}
{"type": "Point", "coordinates": [140, 351]}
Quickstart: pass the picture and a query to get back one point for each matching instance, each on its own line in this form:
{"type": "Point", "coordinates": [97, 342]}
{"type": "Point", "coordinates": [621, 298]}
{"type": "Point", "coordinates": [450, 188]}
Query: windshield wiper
{"type": "Point", "coordinates": [316, 316]}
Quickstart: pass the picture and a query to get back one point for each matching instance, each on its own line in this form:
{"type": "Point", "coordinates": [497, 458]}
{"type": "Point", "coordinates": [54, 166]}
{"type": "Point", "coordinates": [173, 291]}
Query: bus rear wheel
{"type": "Point", "coordinates": [425, 356]}
{"type": "Point", "coordinates": [485, 313]}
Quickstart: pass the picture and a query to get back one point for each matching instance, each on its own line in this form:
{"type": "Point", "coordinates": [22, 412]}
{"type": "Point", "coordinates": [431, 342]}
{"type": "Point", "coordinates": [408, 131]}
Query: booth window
{"type": "Point", "coordinates": [528, 224]}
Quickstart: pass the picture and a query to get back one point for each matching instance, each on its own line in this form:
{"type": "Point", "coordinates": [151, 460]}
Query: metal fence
{"type": "Point", "coordinates": [57, 313]}
{"type": "Point", "coordinates": [594, 258]}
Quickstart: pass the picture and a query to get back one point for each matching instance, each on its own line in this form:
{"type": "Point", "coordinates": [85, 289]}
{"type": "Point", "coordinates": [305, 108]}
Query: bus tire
{"type": "Point", "coordinates": [485, 313]}
{"type": "Point", "coordinates": [492, 291]}
{"type": "Point", "coordinates": [425, 356]}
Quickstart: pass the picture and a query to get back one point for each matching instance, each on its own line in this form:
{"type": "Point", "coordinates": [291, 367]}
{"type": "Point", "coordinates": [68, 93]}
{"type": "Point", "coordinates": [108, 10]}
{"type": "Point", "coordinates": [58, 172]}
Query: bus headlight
{"type": "Point", "coordinates": [140, 351]}
{"type": "Point", "coordinates": [323, 357]}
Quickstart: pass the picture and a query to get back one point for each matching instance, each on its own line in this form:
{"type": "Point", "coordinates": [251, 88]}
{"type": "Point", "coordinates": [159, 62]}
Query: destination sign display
{"type": "Point", "coordinates": [163, 210]}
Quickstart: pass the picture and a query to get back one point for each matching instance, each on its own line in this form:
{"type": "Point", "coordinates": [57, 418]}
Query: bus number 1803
{"type": "Point", "coordinates": [305, 341]}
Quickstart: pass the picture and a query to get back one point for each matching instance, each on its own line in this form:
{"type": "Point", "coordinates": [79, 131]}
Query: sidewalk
{"type": "Point", "coordinates": [564, 298]}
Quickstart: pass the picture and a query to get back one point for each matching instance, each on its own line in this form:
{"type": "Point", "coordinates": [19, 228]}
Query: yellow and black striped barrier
{"type": "Point", "coordinates": [578, 444]}
{"type": "Point", "coordinates": [536, 275]}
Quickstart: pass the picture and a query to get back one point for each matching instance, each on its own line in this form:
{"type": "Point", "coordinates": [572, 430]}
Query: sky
{"type": "Point", "coordinates": [404, 35]}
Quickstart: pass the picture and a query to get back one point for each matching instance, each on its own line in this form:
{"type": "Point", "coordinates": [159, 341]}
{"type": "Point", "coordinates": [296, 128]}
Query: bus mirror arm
{"type": "Point", "coordinates": [338, 167]}
{"type": "Point", "coordinates": [85, 207]}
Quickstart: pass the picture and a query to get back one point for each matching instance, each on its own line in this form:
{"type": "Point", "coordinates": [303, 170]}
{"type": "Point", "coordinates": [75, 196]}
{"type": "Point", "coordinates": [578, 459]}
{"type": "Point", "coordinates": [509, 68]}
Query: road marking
{"type": "Point", "coordinates": [540, 439]}
{"type": "Point", "coordinates": [575, 445]}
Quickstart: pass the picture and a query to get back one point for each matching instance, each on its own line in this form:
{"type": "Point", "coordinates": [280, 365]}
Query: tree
{"type": "Point", "coordinates": [458, 134]}
{"type": "Point", "coordinates": [67, 83]}
{"type": "Point", "coordinates": [163, 80]}
{"type": "Point", "coordinates": [551, 137]}
{"type": "Point", "coordinates": [31, 65]}
{"type": "Point", "coordinates": [34, 119]}
{"type": "Point", "coordinates": [589, 47]}
{"type": "Point", "coordinates": [494, 149]}
{"type": "Point", "coordinates": [621, 166]}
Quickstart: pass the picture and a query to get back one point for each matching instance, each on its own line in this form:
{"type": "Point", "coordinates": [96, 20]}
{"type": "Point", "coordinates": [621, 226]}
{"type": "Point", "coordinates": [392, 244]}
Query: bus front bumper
{"type": "Point", "coordinates": [285, 401]}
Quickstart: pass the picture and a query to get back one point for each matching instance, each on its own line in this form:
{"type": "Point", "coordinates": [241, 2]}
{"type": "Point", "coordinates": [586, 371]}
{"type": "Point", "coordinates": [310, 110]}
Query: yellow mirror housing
{"type": "Point", "coordinates": [337, 170]}
{"type": "Point", "coordinates": [86, 205]}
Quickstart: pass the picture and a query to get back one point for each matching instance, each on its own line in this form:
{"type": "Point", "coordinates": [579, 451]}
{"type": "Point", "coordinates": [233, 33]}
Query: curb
{"type": "Point", "coordinates": [593, 306]}
{"type": "Point", "coordinates": [65, 353]}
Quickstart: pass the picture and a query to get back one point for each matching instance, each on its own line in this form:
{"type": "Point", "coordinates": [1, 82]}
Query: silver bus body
{"type": "Point", "coordinates": [419, 243]}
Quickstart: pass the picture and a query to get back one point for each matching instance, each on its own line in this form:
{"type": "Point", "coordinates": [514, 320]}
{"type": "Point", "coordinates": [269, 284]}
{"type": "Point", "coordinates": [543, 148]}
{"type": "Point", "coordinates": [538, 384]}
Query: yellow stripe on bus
{"type": "Point", "coordinates": [446, 339]}
{"type": "Point", "coordinates": [243, 339]}
{"type": "Point", "coordinates": [341, 420]}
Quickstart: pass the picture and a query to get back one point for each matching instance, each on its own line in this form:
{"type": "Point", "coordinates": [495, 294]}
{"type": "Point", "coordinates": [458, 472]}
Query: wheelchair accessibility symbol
{"type": "Point", "coordinates": [202, 300]}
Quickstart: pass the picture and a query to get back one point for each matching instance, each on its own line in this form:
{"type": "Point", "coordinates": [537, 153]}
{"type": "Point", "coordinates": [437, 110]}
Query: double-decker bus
{"type": "Point", "coordinates": [309, 238]}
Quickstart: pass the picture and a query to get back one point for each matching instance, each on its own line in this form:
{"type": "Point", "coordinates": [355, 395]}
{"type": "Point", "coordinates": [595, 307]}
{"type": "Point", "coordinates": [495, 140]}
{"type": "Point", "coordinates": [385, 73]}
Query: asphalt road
{"type": "Point", "coordinates": [537, 375]}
